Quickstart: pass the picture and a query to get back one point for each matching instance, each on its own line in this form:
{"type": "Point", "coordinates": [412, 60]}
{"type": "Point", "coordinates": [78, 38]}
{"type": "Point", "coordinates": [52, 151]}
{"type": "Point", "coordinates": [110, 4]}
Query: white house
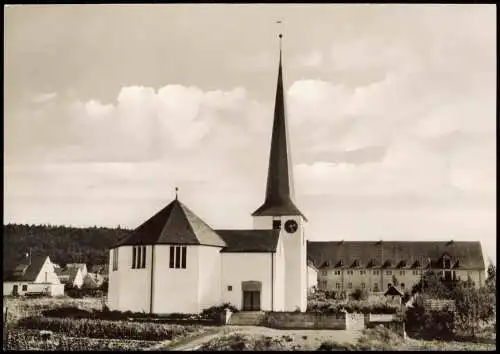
{"type": "Point", "coordinates": [35, 275]}
{"type": "Point", "coordinates": [73, 274]}
{"type": "Point", "coordinates": [175, 262]}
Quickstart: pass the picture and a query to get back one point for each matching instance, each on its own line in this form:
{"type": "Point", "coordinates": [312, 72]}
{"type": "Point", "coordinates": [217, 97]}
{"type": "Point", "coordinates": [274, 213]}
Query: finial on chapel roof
{"type": "Point", "coordinates": [176, 193]}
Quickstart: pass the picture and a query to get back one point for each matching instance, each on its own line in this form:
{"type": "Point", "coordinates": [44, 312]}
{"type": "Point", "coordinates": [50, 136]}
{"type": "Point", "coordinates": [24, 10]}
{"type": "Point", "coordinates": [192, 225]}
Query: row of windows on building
{"type": "Point", "coordinates": [374, 272]}
{"type": "Point", "coordinates": [323, 284]}
{"type": "Point", "coordinates": [177, 260]}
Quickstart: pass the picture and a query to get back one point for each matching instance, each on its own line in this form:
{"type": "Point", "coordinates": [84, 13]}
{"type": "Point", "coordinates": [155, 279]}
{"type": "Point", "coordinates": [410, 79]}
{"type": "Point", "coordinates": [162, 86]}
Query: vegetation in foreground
{"type": "Point", "coordinates": [26, 324]}
{"type": "Point", "coordinates": [247, 342]}
{"type": "Point", "coordinates": [381, 338]}
{"type": "Point", "coordinates": [21, 339]}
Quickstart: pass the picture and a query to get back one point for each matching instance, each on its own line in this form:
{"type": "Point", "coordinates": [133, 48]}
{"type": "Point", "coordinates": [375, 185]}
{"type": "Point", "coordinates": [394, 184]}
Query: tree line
{"type": "Point", "coordinates": [61, 243]}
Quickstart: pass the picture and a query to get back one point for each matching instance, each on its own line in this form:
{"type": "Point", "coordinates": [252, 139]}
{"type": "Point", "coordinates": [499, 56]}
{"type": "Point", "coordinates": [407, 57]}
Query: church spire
{"type": "Point", "coordinates": [279, 191]}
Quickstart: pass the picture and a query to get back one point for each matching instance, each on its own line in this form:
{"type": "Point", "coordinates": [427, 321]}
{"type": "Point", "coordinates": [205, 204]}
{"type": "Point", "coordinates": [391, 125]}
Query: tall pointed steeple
{"type": "Point", "coordinates": [279, 191]}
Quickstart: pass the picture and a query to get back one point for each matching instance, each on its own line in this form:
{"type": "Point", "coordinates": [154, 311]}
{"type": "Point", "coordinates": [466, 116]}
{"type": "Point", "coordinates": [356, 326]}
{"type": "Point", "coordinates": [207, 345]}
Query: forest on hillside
{"type": "Point", "coordinates": [62, 244]}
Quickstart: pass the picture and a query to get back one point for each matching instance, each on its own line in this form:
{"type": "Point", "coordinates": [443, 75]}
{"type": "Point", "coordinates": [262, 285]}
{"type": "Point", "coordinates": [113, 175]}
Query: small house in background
{"type": "Point", "coordinates": [35, 275]}
{"type": "Point", "coordinates": [81, 266]}
{"type": "Point", "coordinates": [394, 294]}
{"type": "Point", "coordinates": [71, 276]}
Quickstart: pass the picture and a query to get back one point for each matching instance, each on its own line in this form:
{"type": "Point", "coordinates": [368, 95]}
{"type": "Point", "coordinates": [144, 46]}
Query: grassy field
{"type": "Point", "coordinates": [25, 324]}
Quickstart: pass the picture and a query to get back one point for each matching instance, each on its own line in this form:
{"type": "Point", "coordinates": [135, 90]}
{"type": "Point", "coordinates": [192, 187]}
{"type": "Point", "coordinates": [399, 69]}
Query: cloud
{"type": "Point", "coordinates": [44, 97]}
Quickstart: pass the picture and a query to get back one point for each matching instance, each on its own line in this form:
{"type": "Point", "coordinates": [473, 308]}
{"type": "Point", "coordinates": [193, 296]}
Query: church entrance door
{"type": "Point", "coordinates": [251, 301]}
{"type": "Point", "coordinates": [251, 295]}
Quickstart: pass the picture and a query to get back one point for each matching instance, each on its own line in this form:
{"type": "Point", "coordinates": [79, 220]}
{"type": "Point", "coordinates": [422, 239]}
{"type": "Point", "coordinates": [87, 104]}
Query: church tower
{"type": "Point", "coordinates": [280, 212]}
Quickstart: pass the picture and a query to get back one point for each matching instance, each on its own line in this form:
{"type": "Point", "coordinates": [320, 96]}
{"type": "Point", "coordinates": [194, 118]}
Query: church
{"type": "Point", "coordinates": [176, 263]}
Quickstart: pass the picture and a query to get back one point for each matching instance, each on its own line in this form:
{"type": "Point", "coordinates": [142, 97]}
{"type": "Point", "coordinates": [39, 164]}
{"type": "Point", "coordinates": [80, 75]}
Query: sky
{"type": "Point", "coordinates": [390, 108]}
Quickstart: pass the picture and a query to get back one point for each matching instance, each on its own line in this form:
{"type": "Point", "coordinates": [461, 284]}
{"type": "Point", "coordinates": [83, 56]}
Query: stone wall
{"type": "Point", "coordinates": [306, 320]}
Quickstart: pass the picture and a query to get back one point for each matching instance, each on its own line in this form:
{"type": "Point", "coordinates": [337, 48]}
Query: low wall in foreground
{"type": "Point", "coordinates": [306, 320]}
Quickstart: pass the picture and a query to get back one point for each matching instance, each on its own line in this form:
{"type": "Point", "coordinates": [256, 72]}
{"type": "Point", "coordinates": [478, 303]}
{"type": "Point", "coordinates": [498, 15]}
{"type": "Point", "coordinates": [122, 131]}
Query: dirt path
{"type": "Point", "coordinates": [304, 338]}
{"type": "Point", "coordinates": [192, 342]}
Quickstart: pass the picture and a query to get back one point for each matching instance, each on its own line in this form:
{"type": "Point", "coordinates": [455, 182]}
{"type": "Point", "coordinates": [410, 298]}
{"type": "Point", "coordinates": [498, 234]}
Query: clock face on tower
{"type": "Point", "coordinates": [291, 226]}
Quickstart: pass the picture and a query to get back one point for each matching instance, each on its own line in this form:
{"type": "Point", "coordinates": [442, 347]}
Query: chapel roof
{"type": "Point", "coordinates": [249, 240]}
{"type": "Point", "coordinates": [174, 224]}
{"type": "Point", "coordinates": [396, 254]}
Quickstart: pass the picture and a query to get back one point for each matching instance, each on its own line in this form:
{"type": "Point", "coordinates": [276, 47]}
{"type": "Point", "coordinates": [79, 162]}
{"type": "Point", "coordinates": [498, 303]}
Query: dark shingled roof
{"type": "Point", "coordinates": [279, 179]}
{"type": "Point", "coordinates": [464, 255]}
{"type": "Point", "coordinates": [24, 271]}
{"type": "Point", "coordinates": [174, 224]}
{"type": "Point", "coordinates": [249, 240]}
{"type": "Point", "coordinates": [393, 291]}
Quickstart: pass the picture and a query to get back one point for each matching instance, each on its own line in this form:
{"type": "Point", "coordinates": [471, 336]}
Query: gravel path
{"type": "Point", "coordinates": [304, 338]}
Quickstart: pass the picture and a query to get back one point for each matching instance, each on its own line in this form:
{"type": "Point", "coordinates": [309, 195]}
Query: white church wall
{"type": "Point", "coordinates": [176, 290]}
{"type": "Point", "coordinates": [128, 288]}
{"type": "Point", "coordinates": [240, 267]}
{"type": "Point", "coordinates": [262, 222]}
{"type": "Point", "coordinates": [295, 265]}
{"type": "Point", "coordinates": [210, 285]}
{"type": "Point", "coordinates": [279, 277]}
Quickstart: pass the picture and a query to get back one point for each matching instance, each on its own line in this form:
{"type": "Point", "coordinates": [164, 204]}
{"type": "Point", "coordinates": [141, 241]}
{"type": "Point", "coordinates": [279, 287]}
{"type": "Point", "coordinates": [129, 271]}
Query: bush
{"type": "Point", "coordinates": [359, 294]}
{"type": "Point", "coordinates": [334, 346]}
{"type": "Point", "coordinates": [214, 312]}
{"type": "Point", "coordinates": [382, 306]}
{"type": "Point", "coordinates": [425, 323]}
{"type": "Point", "coordinates": [94, 328]}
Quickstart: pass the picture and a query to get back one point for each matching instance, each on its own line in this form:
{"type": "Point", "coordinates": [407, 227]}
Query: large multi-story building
{"type": "Point", "coordinates": [376, 266]}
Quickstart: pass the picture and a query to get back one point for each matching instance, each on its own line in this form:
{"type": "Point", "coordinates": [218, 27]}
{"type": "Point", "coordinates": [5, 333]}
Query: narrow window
{"type": "Point", "coordinates": [183, 265]}
{"type": "Point", "coordinates": [143, 265]}
{"type": "Point", "coordinates": [375, 287]}
{"type": "Point", "coordinates": [389, 272]}
{"type": "Point", "coordinates": [172, 256]}
{"type": "Point", "coordinates": [115, 259]}
{"type": "Point", "coordinates": [177, 257]}
{"type": "Point", "coordinates": [276, 224]}
{"type": "Point", "coordinates": [337, 285]}
{"type": "Point", "coordinates": [363, 285]}
{"type": "Point", "coordinates": [134, 256]}
{"type": "Point", "coordinates": [401, 272]}
{"type": "Point", "coordinates": [25, 287]}
{"type": "Point", "coordinates": [349, 285]}
{"type": "Point", "coordinates": [229, 288]}
{"type": "Point", "coordinates": [402, 286]}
